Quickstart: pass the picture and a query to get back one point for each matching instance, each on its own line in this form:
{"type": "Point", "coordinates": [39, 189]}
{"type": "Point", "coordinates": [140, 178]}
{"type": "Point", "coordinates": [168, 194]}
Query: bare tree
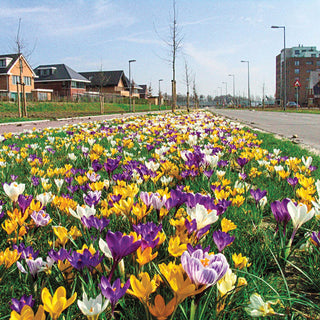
{"type": "Point", "coordinates": [187, 81]}
{"type": "Point", "coordinates": [21, 50]}
{"type": "Point", "coordinates": [176, 44]}
{"type": "Point", "coordinates": [195, 94]}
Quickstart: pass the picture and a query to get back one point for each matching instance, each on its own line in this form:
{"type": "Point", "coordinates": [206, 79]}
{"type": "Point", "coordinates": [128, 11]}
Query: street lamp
{"type": "Point", "coordinates": [233, 86]}
{"type": "Point", "coordinates": [160, 94]}
{"type": "Point", "coordinates": [249, 100]}
{"type": "Point", "coordinates": [284, 87]}
{"type": "Point", "coordinates": [220, 100]}
{"type": "Point", "coordinates": [130, 89]}
{"type": "Point", "coordinates": [226, 102]}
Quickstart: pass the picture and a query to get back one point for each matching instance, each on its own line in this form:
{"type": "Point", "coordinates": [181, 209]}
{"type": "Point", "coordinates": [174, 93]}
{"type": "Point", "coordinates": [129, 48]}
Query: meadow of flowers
{"type": "Point", "coordinates": [171, 216]}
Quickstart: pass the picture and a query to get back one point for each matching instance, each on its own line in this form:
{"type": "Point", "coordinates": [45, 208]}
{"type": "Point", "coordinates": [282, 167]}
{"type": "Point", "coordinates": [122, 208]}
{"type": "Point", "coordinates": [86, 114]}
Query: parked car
{"type": "Point", "coordinates": [292, 104]}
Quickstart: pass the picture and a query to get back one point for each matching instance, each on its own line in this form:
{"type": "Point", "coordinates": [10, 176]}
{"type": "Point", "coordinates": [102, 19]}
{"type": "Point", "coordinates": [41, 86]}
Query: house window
{"type": "Point", "coordinates": [27, 81]}
{"type": "Point", "coordinates": [318, 62]}
{"type": "Point", "coordinates": [3, 63]}
{"type": "Point", "coordinates": [313, 55]}
{"type": "Point", "coordinates": [296, 51]}
{"type": "Point", "coordinates": [15, 79]}
{"type": "Point", "coordinates": [296, 71]}
{"type": "Point", "coordinates": [297, 62]}
{"type": "Point", "coordinates": [309, 62]}
{"type": "Point", "coordinates": [73, 84]}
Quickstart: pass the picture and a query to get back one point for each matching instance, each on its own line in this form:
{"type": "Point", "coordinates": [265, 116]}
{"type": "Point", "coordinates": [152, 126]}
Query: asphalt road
{"type": "Point", "coordinates": [301, 127]}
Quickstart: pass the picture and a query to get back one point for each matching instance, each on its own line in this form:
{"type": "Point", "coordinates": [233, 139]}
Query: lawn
{"type": "Point", "coordinates": [165, 216]}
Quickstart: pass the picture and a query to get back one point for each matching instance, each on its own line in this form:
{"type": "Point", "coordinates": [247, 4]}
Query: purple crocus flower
{"type": "Point", "coordinates": [113, 292]}
{"type": "Point", "coordinates": [41, 218]}
{"type": "Point", "coordinates": [258, 194]}
{"type": "Point", "coordinates": [92, 198]}
{"type": "Point", "coordinates": [24, 202]}
{"type": "Point", "coordinates": [242, 176]}
{"type": "Point", "coordinates": [208, 173]}
{"type": "Point", "coordinates": [204, 268]}
{"type": "Point", "coordinates": [13, 177]}
{"type": "Point", "coordinates": [85, 259]}
{"type": "Point", "coordinates": [149, 232]}
{"type": "Point", "coordinates": [26, 252]}
{"type": "Point", "coordinates": [146, 198]}
{"type": "Point", "coordinates": [111, 164]}
{"type": "Point", "coordinates": [35, 181]}
{"type": "Point", "coordinates": [292, 181]}
{"type": "Point", "coordinates": [94, 222]}
{"type": "Point", "coordinates": [242, 162]}
{"type": "Point", "coordinates": [120, 245]}
{"type": "Point", "coordinates": [34, 266]}
{"type": "Point", "coordinates": [96, 166]}
{"type": "Point", "coordinates": [17, 305]}
{"type": "Point", "coordinates": [222, 239]}
{"type": "Point", "coordinates": [62, 254]}
{"type": "Point", "coordinates": [281, 213]}
{"type": "Point", "coordinates": [315, 238]}
{"type": "Point", "coordinates": [192, 249]}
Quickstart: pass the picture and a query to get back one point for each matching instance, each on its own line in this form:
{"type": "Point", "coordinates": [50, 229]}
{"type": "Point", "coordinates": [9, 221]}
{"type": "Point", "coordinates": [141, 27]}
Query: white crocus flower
{"type": "Point", "coordinates": [258, 307]}
{"type": "Point", "coordinates": [299, 214]}
{"type": "Point", "coordinates": [13, 190]}
{"type": "Point", "coordinates": [211, 161]}
{"type": "Point", "coordinates": [153, 166]}
{"type": "Point", "coordinates": [85, 211]}
{"type": "Point", "coordinates": [166, 180]}
{"type": "Point", "coordinates": [263, 201]}
{"type": "Point", "coordinates": [202, 215]}
{"type": "Point", "coordinates": [307, 161]}
{"type": "Point", "coordinates": [45, 198]}
{"type": "Point", "coordinates": [59, 183]}
{"type": "Point", "coordinates": [92, 307]}
{"type": "Point", "coordinates": [105, 248]}
{"type": "Point", "coordinates": [72, 156]}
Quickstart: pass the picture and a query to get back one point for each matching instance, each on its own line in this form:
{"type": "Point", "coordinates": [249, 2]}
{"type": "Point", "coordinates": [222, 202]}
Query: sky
{"type": "Point", "coordinates": [90, 35]}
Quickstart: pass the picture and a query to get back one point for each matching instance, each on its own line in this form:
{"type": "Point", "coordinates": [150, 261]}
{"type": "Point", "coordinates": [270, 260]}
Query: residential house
{"type": "Point", "coordinates": [109, 82]}
{"type": "Point", "coordinates": [314, 89]}
{"type": "Point", "coordinates": [64, 81]}
{"type": "Point", "coordinates": [143, 92]}
{"type": "Point", "coordinates": [16, 75]}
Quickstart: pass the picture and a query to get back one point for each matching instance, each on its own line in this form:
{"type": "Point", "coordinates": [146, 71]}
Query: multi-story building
{"type": "Point", "coordinates": [300, 62]}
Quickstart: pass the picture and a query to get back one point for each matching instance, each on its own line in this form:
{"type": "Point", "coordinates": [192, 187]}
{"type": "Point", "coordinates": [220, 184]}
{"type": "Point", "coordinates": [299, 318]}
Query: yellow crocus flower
{"type": "Point", "coordinates": [176, 248]}
{"type": "Point", "coordinates": [160, 309]}
{"type": "Point", "coordinates": [8, 257]}
{"type": "Point", "coordinates": [142, 289]}
{"type": "Point", "coordinates": [28, 314]}
{"type": "Point", "coordinates": [240, 261]}
{"type": "Point", "coordinates": [62, 234]}
{"type": "Point", "coordinates": [145, 256]}
{"type": "Point", "coordinates": [57, 303]}
{"type": "Point", "coordinates": [227, 225]}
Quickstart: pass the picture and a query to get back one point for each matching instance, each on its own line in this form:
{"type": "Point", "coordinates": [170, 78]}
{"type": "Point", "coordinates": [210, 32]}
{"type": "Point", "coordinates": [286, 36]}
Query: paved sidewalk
{"type": "Point", "coordinates": [18, 127]}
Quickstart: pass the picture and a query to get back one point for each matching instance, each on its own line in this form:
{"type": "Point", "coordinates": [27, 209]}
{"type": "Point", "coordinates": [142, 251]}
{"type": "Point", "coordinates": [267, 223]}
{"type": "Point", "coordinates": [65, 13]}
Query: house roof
{"type": "Point", "coordinates": [62, 73]}
{"type": "Point", "coordinates": [14, 57]}
{"type": "Point", "coordinates": [105, 78]}
{"type": "Point", "coordinates": [143, 89]}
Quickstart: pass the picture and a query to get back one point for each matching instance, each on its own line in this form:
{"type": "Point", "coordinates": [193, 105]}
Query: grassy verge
{"type": "Point", "coordinates": [56, 110]}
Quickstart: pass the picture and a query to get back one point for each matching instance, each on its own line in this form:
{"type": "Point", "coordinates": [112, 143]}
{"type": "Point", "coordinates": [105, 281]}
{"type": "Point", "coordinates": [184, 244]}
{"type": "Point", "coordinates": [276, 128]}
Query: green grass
{"type": "Point", "coordinates": [55, 110]}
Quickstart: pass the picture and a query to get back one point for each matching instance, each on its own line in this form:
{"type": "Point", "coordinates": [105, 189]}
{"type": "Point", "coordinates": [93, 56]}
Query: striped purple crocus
{"type": "Point", "coordinates": [203, 268]}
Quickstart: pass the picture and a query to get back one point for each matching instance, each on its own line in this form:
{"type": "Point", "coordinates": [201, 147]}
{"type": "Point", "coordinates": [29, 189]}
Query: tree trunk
{"type": "Point", "coordinates": [174, 95]}
{"type": "Point", "coordinates": [19, 102]}
{"type": "Point", "coordinates": [188, 102]}
{"type": "Point", "coordinates": [24, 100]}
{"type": "Point", "coordinates": [101, 103]}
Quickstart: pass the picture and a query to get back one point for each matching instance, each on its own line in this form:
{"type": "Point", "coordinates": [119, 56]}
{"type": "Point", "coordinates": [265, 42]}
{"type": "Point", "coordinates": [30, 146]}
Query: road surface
{"type": "Point", "coordinates": [302, 127]}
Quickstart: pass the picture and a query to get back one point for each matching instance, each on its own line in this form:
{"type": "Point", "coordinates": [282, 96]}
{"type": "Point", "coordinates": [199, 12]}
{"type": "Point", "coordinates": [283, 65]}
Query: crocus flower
{"type": "Point", "coordinates": [41, 218]}
{"type": "Point", "coordinates": [92, 198]}
{"type": "Point", "coordinates": [203, 268]}
{"type": "Point", "coordinates": [160, 309]}
{"type": "Point", "coordinates": [28, 314]}
{"type": "Point", "coordinates": [94, 222]}
{"type": "Point", "coordinates": [113, 292]}
{"type": "Point", "coordinates": [258, 307]}
{"type": "Point", "coordinates": [292, 181]}
{"type": "Point", "coordinates": [120, 245]}
{"type": "Point", "coordinates": [57, 303]}
{"type": "Point", "coordinates": [281, 213]}
{"type": "Point", "coordinates": [34, 266]}
{"type": "Point", "coordinates": [25, 300]}
{"type": "Point", "coordinates": [258, 194]}
{"type": "Point", "coordinates": [203, 216]}
{"type": "Point", "coordinates": [299, 215]}
{"type": "Point", "coordinates": [142, 288]}
{"type": "Point", "coordinates": [13, 190]}
{"type": "Point", "coordinates": [24, 202]}
{"type": "Point", "coordinates": [111, 164]}
{"type": "Point", "coordinates": [85, 259]}
{"type": "Point", "coordinates": [222, 239]}
{"type": "Point", "coordinates": [61, 255]}
{"type": "Point", "coordinates": [85, 211]}
{"type": "Point", "coordinates": [242, 162]}
{"type": "Point", "coordinates": [92, 307]}
{"type": "Point", "coordinates": [315, 238]}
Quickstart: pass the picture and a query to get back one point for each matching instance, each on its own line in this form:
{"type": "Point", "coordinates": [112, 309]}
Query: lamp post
{"type": "Point", "coordinates": [160, 94]}
{"type": "Point", "coordinates": [284, 87]}
{"type": "Point", "coordinates": [130, 89]}
{"type": "Point", "coordinates": [220, 94]}
{"type": "Point", "coordinates": [233, 87]}
{"type": "Point", "coordinates": [226, 102]}
{"type": "Point", "coordinates": [249, 100]}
